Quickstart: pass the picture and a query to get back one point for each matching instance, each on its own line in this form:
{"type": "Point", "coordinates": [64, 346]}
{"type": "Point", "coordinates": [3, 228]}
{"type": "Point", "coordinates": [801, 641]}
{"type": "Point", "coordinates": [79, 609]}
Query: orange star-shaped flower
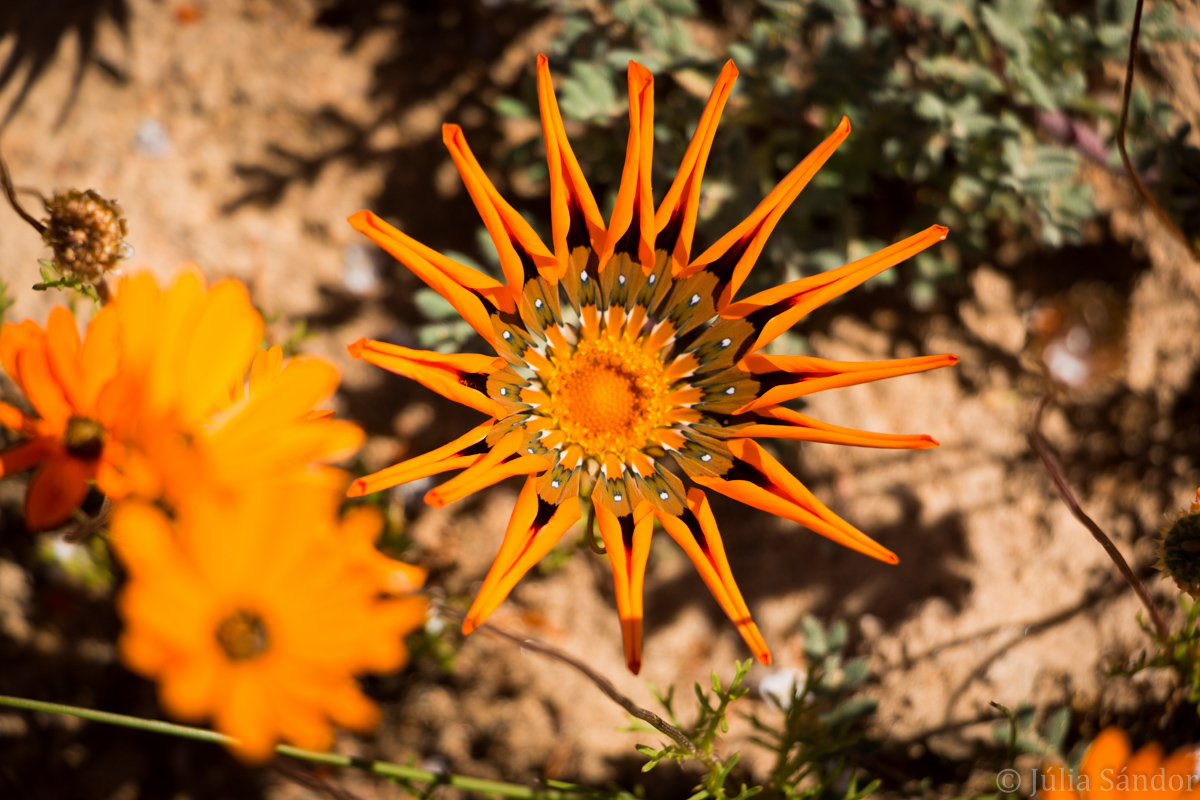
{"type": "Point", "coordinates": [617, 351]}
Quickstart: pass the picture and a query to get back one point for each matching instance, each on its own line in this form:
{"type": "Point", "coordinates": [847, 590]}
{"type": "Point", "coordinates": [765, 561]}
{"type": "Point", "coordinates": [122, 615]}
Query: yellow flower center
{"type": "Point", "coordinates": [608, 395]}
{"type": "Point", "coordinates": [242, 634]}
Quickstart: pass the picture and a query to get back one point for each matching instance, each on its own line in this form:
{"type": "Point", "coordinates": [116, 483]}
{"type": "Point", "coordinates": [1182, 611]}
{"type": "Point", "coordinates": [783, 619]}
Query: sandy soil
{"type": "Point", "coordinates": [239, 135]}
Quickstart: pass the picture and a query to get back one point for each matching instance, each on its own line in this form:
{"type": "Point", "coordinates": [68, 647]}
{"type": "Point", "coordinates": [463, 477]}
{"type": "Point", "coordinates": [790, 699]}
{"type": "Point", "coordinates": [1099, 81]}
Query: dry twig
{"type": "Point", "coordinates": [1137, 181]}
{"type": "Point", "coordinates": [603, 683]}
{"type": "Point", "coordinates": [1068, 496]}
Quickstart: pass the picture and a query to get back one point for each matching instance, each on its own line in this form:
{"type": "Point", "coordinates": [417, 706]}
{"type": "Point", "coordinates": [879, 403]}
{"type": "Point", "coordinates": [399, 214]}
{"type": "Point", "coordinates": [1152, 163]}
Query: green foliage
{"type": "Point", "coordinates": [1021, 734]}
{"type": "Point", "coordinates": [821, 724]}
{"type": "Point", "coordinates": [85, 564]}
{"type": "Point", "coordinates": [972, 114]}
{"type": "Point", "coordinates": [1181, 653]}
{"type": "Point", "coordinates": [54, 278]}
{"type": "Point", "coordinates": [445, 330]}
{"type": "Point", "coordinates": [6, 300]}
{"type": "Point", "coordinates": [710, 723]}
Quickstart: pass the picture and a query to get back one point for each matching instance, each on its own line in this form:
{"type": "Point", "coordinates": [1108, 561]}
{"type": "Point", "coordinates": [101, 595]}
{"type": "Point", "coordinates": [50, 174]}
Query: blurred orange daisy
{"type": "Point", "coordinates": [74, 436]}
{"type": "Point", "coordinates": [258, 614]}
{"type": "Point", "coordinates": [210, 402]}
{"type": "Point", "coordinates": [616, 349]}
{"type": "Point", "coordinates": [1111, 770]}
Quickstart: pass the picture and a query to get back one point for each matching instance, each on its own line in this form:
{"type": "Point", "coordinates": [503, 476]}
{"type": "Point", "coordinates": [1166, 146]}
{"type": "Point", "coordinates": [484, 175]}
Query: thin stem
{"type": "Point", "coordinates": [88, 527]}
{"type": "Point", "coordinates": [10, 192]}
{"type": "Point", "coordinates": [606, 686]}
{"type": "Point", "coordinates": [1137, 181]}
{"type": "Point", "coordinates": [102, 290]}
{"type": "Point", "coordinates": [297, 773]}
{"type": "Point", "coordinates": [1068, 496]}
{"type": "Point", "coordinates": [384, 768]}
{"type": "Point", "coordinates": [589, 526]}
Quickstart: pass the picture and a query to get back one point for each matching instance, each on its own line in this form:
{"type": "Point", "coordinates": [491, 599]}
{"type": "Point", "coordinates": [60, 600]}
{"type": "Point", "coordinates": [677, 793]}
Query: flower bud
{"type": "Point", "coordinates": [86, 232]}
{"type": "Point", "coordinates": [1179, 549]}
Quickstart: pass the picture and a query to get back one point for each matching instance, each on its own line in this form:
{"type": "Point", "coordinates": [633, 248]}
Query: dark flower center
{"type": "Point", "coordinates": [85, 437]}
{"type": "Point", "coordinates": [242, 635]}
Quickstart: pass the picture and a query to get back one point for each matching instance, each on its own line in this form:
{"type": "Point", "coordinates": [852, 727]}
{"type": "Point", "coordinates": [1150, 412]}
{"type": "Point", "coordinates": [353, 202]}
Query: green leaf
{"type": "Point", "coordinates": [433, 305]}
{"type": "Point", "coordinates": [855, 672]}
{"type": "Point", "coordinates": [683, 8]}
{"type": "Point", "coordinates": [836, 639]}
{"type": "Point", "coordinates": [742, 55]}
{"type": "Point", "coordinates": [483, 240]}
{"type": "Point", "coordinates": [815, 645]}
{"type": "Point", "coordinates": [1056, 729]}
{"type": "Point", "coordinates": [507, 106]}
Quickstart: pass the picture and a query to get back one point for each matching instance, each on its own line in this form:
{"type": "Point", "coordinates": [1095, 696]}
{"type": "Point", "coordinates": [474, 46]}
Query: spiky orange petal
{"type": "Point", "coordinates": [739, 249]}
{"type": "Point", "coordinates": [533, 530]}
{"type": "Point", "coordinates": [702, 543]}
{"type": "Point", "coordinates": [675, 220]}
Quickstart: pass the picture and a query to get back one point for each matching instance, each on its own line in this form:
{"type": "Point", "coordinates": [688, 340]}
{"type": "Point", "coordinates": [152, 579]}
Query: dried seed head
{"type": "Point", "coordinates": [1179, 550]}
{"type": "Point", "coordinates": [86, 232]}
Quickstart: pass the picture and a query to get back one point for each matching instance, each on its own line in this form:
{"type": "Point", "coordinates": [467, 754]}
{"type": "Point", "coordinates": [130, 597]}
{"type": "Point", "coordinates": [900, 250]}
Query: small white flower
{"type": "Point", "coordinates": [780, 687]}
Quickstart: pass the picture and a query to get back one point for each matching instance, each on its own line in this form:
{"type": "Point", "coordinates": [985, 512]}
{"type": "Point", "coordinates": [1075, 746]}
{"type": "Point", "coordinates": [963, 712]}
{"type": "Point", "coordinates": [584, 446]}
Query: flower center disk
{"type": "Point", "coordinates": [242, 635]}
{"type": "Point", "coordinates": [85, 437]}
{"type": "Point", "coordinates": [608, 395]}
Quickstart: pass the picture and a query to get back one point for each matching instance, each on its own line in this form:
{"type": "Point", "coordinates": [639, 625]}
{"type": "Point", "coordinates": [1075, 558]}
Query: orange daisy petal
{"type": "Point", "coordinates": [246, 714]}
{"type": "Point", "coordinates": [1057, 783]}
{"type": "Point", "coordinates": [14, 337]}
{"type": "Point", "coordinates": [62, 353]}
{"type": "Point", "coordinates": [1179, 769]}
{"type": "Point", "coordinates": [44, 391]}
{"type": "Point", "coordinates": [99, 356]}
{"type": "Point", "coordinates": [1144, 777]}
{"type": "Point", "coordinates": [1103, 760]}
{"type": "Point", "coordinates": [226, 336]}
{"type": "Point", "coordinates": [15, 419]}
{"type": "Point", "coordinates": [55, 491]}
{"type": "Point", "coordinates": [25, 455]}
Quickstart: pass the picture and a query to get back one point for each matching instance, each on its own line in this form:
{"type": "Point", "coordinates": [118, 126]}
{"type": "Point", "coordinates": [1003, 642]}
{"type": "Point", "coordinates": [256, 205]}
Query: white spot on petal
{"type": "Point", "coordinates": [507, 336]}
{"type": "Point", "coordinates": [617, 497]}
{"type": "Point", "coordinates": [695, 299]}
{"type": "Point", "coordinates": [706, 457]}
{"type": "Point", "coordinates": [504, 391]}
{"type": "Point", "coordinates": [731, 390]}
{"type": "Point", "coordinates": [663, 495]}
{"type": "Point", "coordinates": [652, 279]}
{"type": "Point", "coordinates": [726, 342]}
{"type": "Point", "coordinates": [537, 303]}
{"type": "Point", "coordinates": [621, 279]}
{"type": "Point", "coordinates": [583, 276]}
{"type": "Point", "coordinates": [554, 484]}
